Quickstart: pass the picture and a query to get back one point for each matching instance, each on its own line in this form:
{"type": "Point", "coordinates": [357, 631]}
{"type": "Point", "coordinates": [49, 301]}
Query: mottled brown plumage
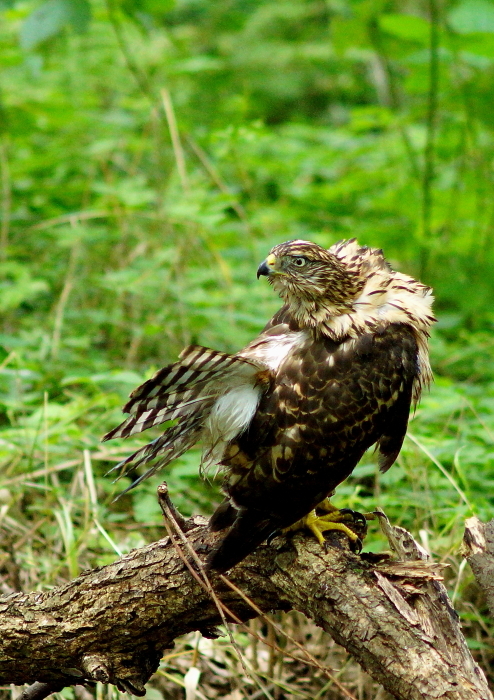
{"type": "Point", "coordinates": [289, 417]}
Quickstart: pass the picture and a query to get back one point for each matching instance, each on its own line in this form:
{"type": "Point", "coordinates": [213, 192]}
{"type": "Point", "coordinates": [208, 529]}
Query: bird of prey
{"type": "Point", "coordinates": [289, 417]}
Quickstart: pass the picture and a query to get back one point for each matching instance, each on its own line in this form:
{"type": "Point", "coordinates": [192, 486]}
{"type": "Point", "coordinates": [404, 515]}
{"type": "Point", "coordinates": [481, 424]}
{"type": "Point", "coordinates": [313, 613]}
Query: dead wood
{"type": "Point", "coordinates": [478, 550]}
{"type": "Point", "coordinates": [113, 624]}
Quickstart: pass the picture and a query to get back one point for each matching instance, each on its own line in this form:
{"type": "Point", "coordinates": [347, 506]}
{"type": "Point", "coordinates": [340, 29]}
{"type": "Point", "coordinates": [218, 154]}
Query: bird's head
{"type": "Point", "coordinates": [311, 279]}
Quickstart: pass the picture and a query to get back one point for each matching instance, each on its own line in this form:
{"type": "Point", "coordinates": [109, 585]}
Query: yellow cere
{"type": "Point", "coordinates": [271, 259]}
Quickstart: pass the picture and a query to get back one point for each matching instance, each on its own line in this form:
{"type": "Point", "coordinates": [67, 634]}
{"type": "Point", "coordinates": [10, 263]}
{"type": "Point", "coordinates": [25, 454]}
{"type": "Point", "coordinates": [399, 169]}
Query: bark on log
{"type": "Point", "coordinates": [113, 624]}
{"type": "Point", "coordinates": [478, 550]}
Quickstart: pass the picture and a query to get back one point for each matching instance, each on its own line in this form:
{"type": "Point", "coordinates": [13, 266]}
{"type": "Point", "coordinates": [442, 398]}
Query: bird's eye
{"type": "Point", "coordinates": [299, 262]}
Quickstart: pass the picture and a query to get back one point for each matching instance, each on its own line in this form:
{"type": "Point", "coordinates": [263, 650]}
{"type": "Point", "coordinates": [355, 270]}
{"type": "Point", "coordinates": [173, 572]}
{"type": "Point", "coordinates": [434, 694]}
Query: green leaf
{"type": "Point", "coordinates": [80, 14]}
{"type": "Point", "coordinates": [472, 16]}
{"type": "Point", "coordinates": [197, 64]}
{"type": "Point", "coordinates": [408, 27]}
{"type": "Point", "coordinates": [50, 17]}
{"type": "Point", "coordinates": [146, 508]}
{"type": "Point", "coordinates": [477, 45]}
{"type": "Point", "coordinates": [43, 23]}
{"type": "Point", "coordinates": [158, 7]}
{"type": "Point", "coordinates": [17, 285]}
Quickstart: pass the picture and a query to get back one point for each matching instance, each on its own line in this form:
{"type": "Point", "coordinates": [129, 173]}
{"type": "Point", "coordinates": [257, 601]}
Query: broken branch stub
{"type": "Point", "coordinates": [478, 550]}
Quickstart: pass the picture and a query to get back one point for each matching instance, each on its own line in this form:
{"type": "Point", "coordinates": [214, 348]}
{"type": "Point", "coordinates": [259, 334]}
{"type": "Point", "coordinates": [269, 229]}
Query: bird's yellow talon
{"type": "Point", "coordinates": [319, 524]}
{"type": "Point", "coordinates": [331, 520]}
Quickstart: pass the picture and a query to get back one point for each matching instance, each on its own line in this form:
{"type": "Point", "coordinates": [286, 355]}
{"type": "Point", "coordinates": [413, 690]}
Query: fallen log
{"type": "Point", "coordinates": [113, 624]}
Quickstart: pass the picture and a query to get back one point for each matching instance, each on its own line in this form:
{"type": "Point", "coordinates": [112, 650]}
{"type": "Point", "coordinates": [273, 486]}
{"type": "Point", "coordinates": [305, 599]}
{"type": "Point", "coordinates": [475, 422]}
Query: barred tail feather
{"type": "Point", "coordinates": [179, 406]}
{"type": "Point", "coordinates": [152, 470]}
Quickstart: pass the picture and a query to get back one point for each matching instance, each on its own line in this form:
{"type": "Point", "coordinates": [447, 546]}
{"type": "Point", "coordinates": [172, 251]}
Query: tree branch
{"type": "Point", "coordinates": [113, 624]}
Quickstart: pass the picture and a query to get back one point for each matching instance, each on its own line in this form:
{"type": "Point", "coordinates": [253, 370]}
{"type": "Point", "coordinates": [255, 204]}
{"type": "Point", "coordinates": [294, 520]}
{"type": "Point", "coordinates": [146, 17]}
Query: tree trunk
{"type": "Point", "coordinates": [113, 624]}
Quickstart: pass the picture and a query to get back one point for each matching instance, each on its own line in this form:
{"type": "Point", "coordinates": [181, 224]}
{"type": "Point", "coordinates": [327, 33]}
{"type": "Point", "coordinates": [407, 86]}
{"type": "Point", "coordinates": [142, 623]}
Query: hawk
{"type": "Point", "coordinates": [289, 417]}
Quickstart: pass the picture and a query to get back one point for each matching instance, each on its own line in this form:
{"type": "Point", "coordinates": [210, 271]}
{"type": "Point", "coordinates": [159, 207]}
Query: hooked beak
{"type": "Point", "coordinates": [266, 268]}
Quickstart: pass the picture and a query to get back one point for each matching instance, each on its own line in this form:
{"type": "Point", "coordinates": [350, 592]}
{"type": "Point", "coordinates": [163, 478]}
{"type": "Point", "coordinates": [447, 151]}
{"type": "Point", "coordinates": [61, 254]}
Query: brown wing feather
{"type": "Point", "coordinates": [183, 391]}
{"type": "Point", "coordinates": [178, 390]}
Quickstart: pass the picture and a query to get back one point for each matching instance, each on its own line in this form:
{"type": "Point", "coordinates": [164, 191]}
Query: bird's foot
{"type": "Point", "coordinates": [352, 523]}
{"type": "Point", "coordinates": [339, 520]}
{"type": "Point", "coordinates": [327, 507]}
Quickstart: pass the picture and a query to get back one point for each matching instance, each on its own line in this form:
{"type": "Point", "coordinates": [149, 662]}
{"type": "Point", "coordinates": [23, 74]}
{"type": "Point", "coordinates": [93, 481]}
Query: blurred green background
{"type": "Point", "coordinates": [151, 153]}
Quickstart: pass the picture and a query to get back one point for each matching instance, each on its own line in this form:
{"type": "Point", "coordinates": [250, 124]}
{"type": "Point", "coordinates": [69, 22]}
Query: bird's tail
{"type": "Point", "coordinates": [248, 531]}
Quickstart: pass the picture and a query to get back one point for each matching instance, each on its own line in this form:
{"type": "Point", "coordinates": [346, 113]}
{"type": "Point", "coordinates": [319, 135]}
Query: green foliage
{"type": "Point", "coordinates": [49, 18]}
{"type": "Point", "coordinates": [119, 244]}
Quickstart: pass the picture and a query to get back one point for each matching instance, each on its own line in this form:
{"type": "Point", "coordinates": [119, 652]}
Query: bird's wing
{"type": "Point", "coordinates": [173, 443]}
{"type": "Point", "coordinates": [184, 391]}
{"type": "Point", "coordinates": [182, 388]}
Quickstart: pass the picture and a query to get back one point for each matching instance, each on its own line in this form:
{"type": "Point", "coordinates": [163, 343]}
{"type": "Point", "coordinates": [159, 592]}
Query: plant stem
{"type": "Point", "coordinates": [429, 152]}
